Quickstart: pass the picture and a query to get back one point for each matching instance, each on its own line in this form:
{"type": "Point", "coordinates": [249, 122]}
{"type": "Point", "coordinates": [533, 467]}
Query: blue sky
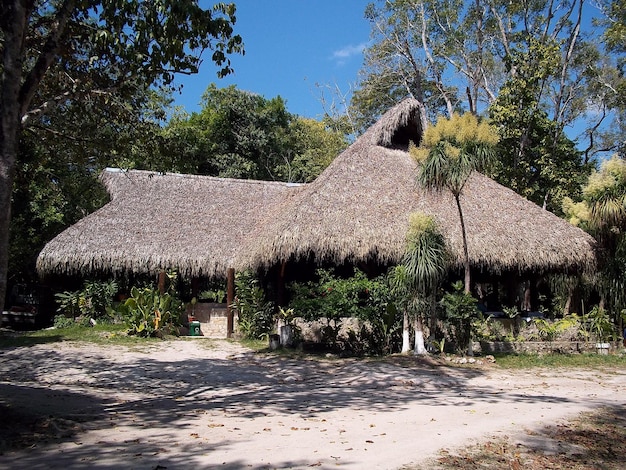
{"type": "Point", "coordinates": [291, 45]}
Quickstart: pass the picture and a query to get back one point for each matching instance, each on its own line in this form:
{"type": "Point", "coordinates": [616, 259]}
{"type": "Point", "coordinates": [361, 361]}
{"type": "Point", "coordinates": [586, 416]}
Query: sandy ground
{"type": "Point", "coordinates": [185, 404]}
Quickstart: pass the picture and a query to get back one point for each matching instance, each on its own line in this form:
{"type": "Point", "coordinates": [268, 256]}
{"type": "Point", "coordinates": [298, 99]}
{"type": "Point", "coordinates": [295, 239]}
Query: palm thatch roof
{"type": "Point", "coordinates": [195, 224]}
{"type": "Point", "coordinates": [358, 210]}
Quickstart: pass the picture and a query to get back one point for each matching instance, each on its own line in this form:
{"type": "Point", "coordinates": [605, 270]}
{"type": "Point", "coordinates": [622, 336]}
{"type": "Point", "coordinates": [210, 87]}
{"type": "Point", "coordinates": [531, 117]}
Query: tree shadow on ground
{"type": "Point", "coordinates": [82, 392]}
{"type": "Point", "coordinates": [11, 339]}
{"type": "Point", "coordinates": [591, 440]}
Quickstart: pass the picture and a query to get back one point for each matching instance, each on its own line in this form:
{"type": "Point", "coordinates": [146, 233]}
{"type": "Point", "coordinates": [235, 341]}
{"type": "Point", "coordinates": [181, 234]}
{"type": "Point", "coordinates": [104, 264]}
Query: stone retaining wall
{"type": "Point", "coordinates": [212, 318]}
{"type": "Point", "coordinates": [541, 347]}
{"type": "Point", "coordinates": [214, 324]}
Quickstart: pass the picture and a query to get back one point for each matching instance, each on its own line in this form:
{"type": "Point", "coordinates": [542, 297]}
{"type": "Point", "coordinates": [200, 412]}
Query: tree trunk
{"type": "Point", "coordinates": [568, 302]}
{"type": "Point", "coordinates": [466, 260]}
{"type": "Point", "coordinates": [7, 172]}
{"type": "Point", "coordinates": [420, 349]}
{"type": "Point", "coordinates": [230, 299]}
{"type": "Point", "coordinates": [13, 23]}
{"type": "Point", "coordinates": [406, 340]}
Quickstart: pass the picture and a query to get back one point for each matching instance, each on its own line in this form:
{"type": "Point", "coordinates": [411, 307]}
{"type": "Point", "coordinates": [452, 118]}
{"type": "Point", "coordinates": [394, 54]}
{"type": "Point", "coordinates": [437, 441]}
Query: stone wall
{"type": "Point", "coordinates": [212, 318]}
{"type": "Point", "coordinates": [541, 347]}
{"type": "Point", "coordinates": [313, 330]}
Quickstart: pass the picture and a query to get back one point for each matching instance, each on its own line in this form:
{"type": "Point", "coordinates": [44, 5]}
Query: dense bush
{"type": "Point", "coordinates": [331, 298]}
{"type": "Point", "coordinates": [255, 313]}
{"type": "Point", "coordinates": [458, 312]}
{"type": "Point", "coordinates": [593, 326]}
{"type": "Point", "coordinates": [94, 300]}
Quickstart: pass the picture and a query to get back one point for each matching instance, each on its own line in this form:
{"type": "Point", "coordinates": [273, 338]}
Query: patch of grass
{"type": "Point", "coordinates": [591, 441]}
{"type": "Point", "coordinates": [255, 344]}
{"type": "Point", "coordinates": [587, 360]}
{"type": "Point", "coordinates": [99, 334]}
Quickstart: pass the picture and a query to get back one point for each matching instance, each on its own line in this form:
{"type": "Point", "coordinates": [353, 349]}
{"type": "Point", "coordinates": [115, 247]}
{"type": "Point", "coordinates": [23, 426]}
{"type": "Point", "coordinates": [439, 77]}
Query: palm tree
{"type": "Point", "coordinates": [450, 152]}
{"type": "Point", "coordinates": [416, 279]}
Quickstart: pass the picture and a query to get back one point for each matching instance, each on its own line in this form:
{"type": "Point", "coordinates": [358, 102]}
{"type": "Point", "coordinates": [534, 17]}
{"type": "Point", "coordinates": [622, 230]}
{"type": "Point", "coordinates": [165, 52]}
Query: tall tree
{"type": "Point", "coordinates": [55, 52]}
{"type": "Point", "coordinates": [239, 134]}
{"type": "Point", "coordinates": [57, 176]}
{"type": "Point", "coordinates": [533, 64]}
{"type": "Point", "coordinates": [449, 153]}
{"type": "Point", "coordinates": [602, 213]}
{"type": "Point", "coordinates": [609, 94]}
{"type": "Point", "coordinates": [535, 157]}
{"type": "Point", "coordinates": [459, 48]}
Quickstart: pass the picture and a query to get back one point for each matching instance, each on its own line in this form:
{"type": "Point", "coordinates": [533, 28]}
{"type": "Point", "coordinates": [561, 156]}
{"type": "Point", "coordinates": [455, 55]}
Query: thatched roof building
{"type": "Point", "coordinates": [155, 222]}
{"type": "Point", "coordinates": [358, 210]}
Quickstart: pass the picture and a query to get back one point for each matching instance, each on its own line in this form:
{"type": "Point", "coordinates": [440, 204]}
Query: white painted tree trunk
{"type": "Point", "coordinates": [420, 348]}
{"type": "Point", "coordinates": [406, 340]}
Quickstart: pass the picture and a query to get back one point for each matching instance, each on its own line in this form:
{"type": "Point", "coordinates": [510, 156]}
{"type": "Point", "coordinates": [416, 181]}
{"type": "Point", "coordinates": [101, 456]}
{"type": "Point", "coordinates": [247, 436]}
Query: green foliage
{"type": "Point", "coordinates": [440, 345]}
{"type": "Point", "coordinates": [450, 152]}
{"type": "Point", "coordinates": [549, 330]}
{"type": "Point", "coordinates": [217, 295]}
{"type": "Point", "coordinates": [94, 300]}
{"type": "Point", "coordinates": [331, 298]}
{"type": "Point", "coordinates": [558, 361]}
{"type": "Point", "coordinates": [603, 214]}
{"type": "Point", "coordinates": [535, 157]}
{"type": "Point", "coordinates": [61, 321]}
{"type": "Point", "coordinates": [52, 190]}
{"type": "Point", "coordinates": [74, 70]}
{"type": "Point", "coordinates": [426, 259]}
{"type": "Point", "coordinates": [286, 315]}
{"type": "Point", "coordinates": [316, 145]}
{"type": "Point", "coordinates": [102, 334]}
{"type": "Point", "coordinates": [239, 134]}
{"type": "Point", "coordinates": [459, 311]}
{"type": "Point", "coordinates": [149, 313]}
{"type": "Point", "coordinates": [255, 313]}
{"type": "Point", "coordinates": [598, 323]}
{"type": "Point", "coordinates": [489, 329]}
{"type": "Point", "coordinates": [452, 149]}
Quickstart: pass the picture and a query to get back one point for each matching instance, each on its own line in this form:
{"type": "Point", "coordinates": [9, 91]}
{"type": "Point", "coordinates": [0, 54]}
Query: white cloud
{"type": "Point", "coordinates": [345, 53]}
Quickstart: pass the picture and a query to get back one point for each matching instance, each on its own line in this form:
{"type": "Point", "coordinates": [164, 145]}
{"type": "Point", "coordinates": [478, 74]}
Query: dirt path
{"type": "Point", "coordinates": [184, 405]}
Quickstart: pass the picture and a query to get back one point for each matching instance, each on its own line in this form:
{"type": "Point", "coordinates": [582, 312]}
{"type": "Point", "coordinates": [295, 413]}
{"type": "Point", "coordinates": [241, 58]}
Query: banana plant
{"type": "Point", "coordinates": [150, 313]}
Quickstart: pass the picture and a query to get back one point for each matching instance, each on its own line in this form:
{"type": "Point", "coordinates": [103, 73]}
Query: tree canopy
{"type": "Point", "coordinates": [552, 84]}
{"type": "Point", "coordinates": [239, 134]}
{"type": "Point", "coordinates": [59, 53]}
{"type": "Point", "coordinates": [450, 151]}
{"type": "Point", "coordinates": [602, 212]}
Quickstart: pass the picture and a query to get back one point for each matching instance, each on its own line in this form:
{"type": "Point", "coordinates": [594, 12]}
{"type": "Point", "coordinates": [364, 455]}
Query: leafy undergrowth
{"type": "Point", "coordinates": [592, 441]}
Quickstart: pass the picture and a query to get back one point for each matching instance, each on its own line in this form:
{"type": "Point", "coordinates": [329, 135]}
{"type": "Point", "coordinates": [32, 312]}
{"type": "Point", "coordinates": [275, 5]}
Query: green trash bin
{"type": "Point", "coordinates": [194, 328]}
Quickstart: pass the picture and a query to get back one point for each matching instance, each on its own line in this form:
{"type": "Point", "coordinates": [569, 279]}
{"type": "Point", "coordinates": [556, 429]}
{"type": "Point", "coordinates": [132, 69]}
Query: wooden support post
{"type": "Point", "coordinates": [230, 298]}
{"type": "Point", "coordinates": [194, 287]}
{"type": "Point", "coordinates": [161, 284]}
{"type": "Point", "coordinates": [280, 286]}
